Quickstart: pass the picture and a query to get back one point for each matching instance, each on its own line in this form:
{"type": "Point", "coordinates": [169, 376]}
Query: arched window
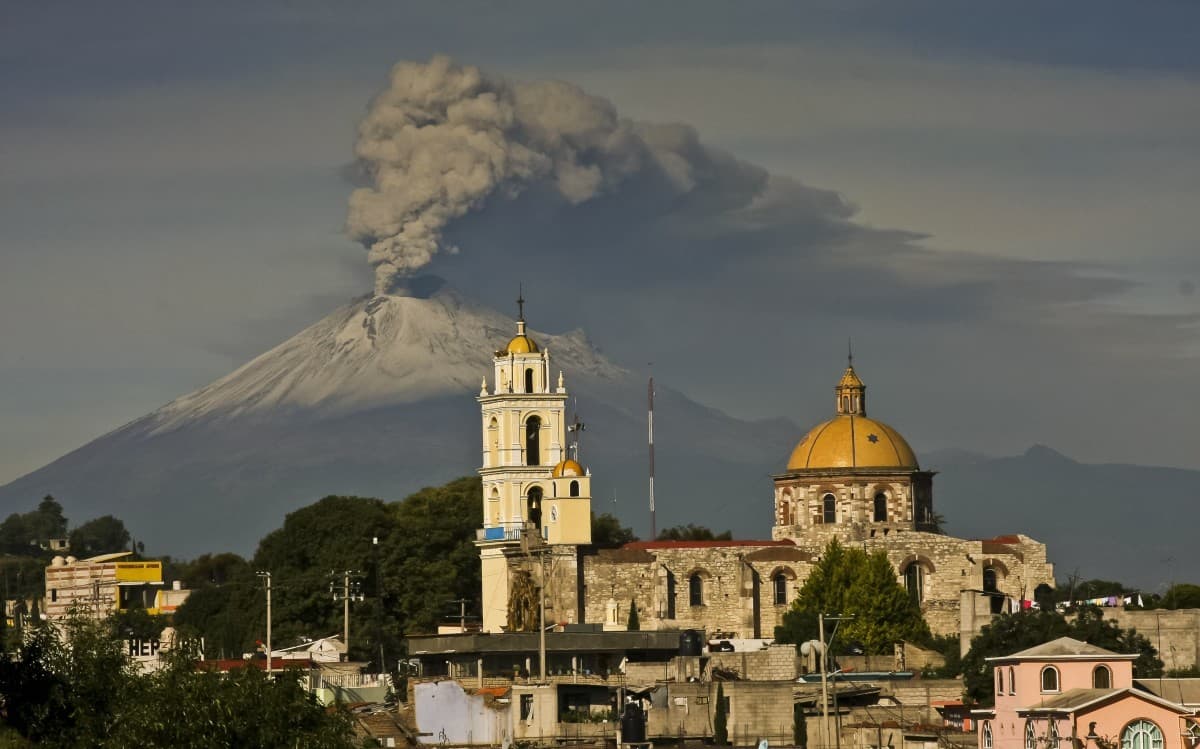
{"type": "Point", "coordinates": [1141, 734]}
{"type": "Point", "coordinates": [991, 588]}
{"type": "Point", "coordinates": [1049, 679]}
{"type": "Point", "coordinates": [1101, 678]}
{"type": "Point", "coordinates": [533, 434]}
{"type": "Point", "coordinates": [987, 734]}
{"type": "Point", "coordinates": [881, 508]}
{"type": "Point", "coordinates": [696, 589]}
{"type": "Point", "coordinates": [574, 488]}
{"type": "Point", "coordinates": [529, 380]}
{"type": "Point", "coordinates": [1030, 735]}
{"type": "Point", "coordinates": [999, 681]}
{"type": "Point", "coordinates": [915, 583]}
{"type": "Point", "coordinates": [779, 583]}
{"type": "Point", "coordinates": [533, 505]}
{"type": "Point", "coordinates": [829, 509]}
{"type": "Point", "coordinates": [670, 595]}
{"type": "Point", "coordinates": [1012, 680]}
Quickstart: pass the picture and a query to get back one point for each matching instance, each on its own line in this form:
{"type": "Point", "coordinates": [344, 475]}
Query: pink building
{"type": "Point", "coordinates": [1067, 694]}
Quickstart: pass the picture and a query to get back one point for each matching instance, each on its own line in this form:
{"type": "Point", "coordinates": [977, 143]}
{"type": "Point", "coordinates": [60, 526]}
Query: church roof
{"type": "Point", "coordinates": [649, 545]}
{"type": "Point", "coordinates": [851, 441]}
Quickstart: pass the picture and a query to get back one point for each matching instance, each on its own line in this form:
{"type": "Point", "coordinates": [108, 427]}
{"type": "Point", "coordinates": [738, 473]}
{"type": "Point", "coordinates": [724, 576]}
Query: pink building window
{"type": "Point", "coordinates": [1012, 680]}
{"type": "Point", "coordinates": [1141, 734]}
{"type": "Point", "coordinates": [1049, 679]}
{"type": "Point", "coordinates": [987, 734]}
{"type": "Point", "coordinates": [1102, 678]}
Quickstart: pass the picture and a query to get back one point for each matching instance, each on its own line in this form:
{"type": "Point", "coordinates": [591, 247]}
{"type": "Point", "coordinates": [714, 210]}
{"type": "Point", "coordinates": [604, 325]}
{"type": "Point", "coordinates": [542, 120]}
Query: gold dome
{"type": "Point", "coordinates": [567, 467]}
{"type": "Point", "coordinates": [521, 344]}
{"type": "Point", "coordinates": [852, 441]}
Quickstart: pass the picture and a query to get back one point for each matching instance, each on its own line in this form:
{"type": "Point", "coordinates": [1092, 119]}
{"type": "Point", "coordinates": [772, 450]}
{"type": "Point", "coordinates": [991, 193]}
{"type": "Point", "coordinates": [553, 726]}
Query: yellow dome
{"type": "Point", "coordinates": [521, 344]}
{"type": "Point", "coordinates": [567, 467]}
{"type": "Point", "coordinates": [852, 441]}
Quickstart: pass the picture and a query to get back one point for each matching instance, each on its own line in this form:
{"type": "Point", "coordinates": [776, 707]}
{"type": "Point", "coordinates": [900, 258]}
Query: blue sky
{"type": "Point", "coordinates": [1020, 266]}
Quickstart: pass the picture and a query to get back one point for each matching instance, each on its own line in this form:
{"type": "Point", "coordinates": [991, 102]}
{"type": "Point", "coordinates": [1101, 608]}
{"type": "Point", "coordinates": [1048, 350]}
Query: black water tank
{"type": "Point", "coordinates": [691, 642]}
{"type": "Point", "coordinates": [633, 724]}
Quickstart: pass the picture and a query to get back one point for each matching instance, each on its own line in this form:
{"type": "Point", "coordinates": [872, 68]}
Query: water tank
{"type": "Point", "coordinates": [633, 724]}
{"type": "Point", "coordinates": [691, 642]}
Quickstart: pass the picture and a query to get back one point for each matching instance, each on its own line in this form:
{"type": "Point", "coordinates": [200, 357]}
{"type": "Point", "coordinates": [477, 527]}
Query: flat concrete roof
{"type": "Point", "coordinates": [526, 642]}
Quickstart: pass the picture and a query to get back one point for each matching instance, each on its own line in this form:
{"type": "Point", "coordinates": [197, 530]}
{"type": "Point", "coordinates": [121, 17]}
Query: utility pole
{"type": "Point", "coordinates": [347, 594]}
{"type": "Point", "coordinates": [267, 577]}
{"type": "Point", "coordinates": [542, 619]}
{"type": "Point", "coordinates": [824, 685]}
{"type": "Point", "coordinates": [824, 694]}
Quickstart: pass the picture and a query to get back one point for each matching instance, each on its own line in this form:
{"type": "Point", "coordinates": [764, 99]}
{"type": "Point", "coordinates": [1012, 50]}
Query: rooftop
{"type": "Point", "coordinates": [1063, 648]}
{"type": "Point", "coordinates": [527, 642]}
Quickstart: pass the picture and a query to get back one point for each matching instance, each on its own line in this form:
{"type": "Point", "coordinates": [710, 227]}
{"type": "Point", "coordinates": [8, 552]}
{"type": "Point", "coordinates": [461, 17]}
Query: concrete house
{"type": "Point", "coordinates": [1073, 695]}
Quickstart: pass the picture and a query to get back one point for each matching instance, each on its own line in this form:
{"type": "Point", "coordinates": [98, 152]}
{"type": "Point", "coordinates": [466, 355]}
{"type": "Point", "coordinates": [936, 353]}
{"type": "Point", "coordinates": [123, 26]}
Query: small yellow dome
{"type": "Point", "coordinates": [567, 467]}
{"type": "Point", "coordinates": [521, 344]}
{"type": "Point", "coordinates": [852, 441]}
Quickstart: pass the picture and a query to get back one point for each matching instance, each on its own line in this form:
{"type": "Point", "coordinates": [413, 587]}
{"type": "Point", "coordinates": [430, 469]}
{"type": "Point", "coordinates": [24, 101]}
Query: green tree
{"type": "Point", "coordinates": [1012, 633]}
{"type": "Point", "coordinates": [691, 532]}
{"type": "Point", "coordinates": [721, 719]}
{"type": "Point", "coordinates": [90, 695]}
{"type": "Point", "coordinates": [851, 583]}
{"type": "Point", "coordinates": [608, 533]}
{"type": "Point", "coordinates": [633, 625]}
{"type": "Point", "coordinates": [1182, 596]}
{"type": "Point", "coordinates": [103, 535]}
{"type": "Point", "coordinates": [48, 521]}
{"type": "Point", "coordinates": [15, 535]}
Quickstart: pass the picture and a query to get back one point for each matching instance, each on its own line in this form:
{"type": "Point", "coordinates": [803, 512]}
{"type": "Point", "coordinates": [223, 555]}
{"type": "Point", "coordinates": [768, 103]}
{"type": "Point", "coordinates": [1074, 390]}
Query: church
{"type": "Point", "coordinates": [852, 478]}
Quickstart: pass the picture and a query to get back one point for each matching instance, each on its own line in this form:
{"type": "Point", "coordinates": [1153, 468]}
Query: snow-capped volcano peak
{"type": "Point", "coordinates": [377, 351]}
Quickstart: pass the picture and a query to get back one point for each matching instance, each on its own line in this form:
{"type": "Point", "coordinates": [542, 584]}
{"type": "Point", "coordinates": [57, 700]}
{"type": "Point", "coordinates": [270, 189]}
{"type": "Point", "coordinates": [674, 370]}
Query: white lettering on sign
{"type": "Point", "coordinates": [143, 648]}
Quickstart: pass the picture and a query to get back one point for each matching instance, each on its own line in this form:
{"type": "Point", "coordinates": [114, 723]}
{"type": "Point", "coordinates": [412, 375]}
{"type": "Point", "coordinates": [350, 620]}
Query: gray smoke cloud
{"type": "Point", "coordinates": [443, 139]}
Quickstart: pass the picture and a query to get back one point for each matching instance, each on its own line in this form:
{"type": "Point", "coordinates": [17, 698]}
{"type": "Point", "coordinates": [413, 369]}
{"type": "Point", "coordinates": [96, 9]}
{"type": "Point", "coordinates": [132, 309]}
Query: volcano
{"type": "Point", "coordinates": [378, 399]}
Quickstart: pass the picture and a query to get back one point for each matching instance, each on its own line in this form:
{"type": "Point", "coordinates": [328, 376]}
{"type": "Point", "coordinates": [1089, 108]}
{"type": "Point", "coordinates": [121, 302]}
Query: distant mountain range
{"type": "Point", "coordinates": [378, 399]}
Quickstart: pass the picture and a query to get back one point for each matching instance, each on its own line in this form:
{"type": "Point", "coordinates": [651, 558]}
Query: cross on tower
{"type": "Point", "coordinates": [520, 302]}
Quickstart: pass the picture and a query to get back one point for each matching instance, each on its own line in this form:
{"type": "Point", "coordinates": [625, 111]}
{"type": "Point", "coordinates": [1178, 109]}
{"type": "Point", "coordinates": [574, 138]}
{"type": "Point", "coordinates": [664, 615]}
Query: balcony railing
{"type": "Point", "coordinates": [502, 532]}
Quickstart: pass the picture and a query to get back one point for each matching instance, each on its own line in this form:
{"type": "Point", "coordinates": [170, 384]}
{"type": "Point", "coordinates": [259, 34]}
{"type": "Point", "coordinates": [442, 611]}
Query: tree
{"type": "Point", "coordinates": [1012, 633]}
{"type": "Point", "coordinates": [102, 535]}
{"type": "Point", "coordinates": [720, 719]}
{"type": "Point", "coordinates": [1182, 596]}
{"type": "Point", "coordinates": [47, 521]}
{"type": "Point", "coordinates": [692, 532]}
{"type": "Point", "coordinates": [425, 557]}
{"type": "Point", "coordinates": [90, 695]}
{"type": "Point", "coordinates": [608, 533]}
{"type": "Point", "coordinates": [634, 625]}
{"type": "Point", "coordinates": [851, 583]}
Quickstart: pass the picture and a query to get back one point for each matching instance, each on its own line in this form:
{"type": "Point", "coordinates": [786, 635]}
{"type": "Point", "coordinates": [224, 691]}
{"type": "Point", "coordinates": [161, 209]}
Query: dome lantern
{"type": "Point", "coordinates": [851, 392]}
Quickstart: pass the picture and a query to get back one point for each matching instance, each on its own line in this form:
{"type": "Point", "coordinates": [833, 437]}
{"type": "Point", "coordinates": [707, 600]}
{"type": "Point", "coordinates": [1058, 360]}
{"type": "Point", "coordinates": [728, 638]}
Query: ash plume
{"type": "Point", "coordinates": [445, 139]}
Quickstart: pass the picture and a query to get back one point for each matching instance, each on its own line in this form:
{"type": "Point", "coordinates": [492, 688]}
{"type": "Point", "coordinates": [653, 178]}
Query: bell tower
{"type": "Point", "coordinates": [536, 496]}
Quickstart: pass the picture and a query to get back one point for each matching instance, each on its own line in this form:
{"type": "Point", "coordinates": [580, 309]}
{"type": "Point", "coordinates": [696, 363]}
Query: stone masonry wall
{"type": "Point", "coordinates": [1176, 634]}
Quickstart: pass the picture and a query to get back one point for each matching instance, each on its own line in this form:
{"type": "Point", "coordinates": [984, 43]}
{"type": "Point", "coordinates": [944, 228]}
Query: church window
{"type": "Point", "coordinates": [574, 488]}
{"type": "Point", "coordinates": [534, 505]}
{"type": "Point", "coordinates": [1101, 678]}
{"type": "Point", "coordinates": [696, 589]}
{"type": "Point", "coordinates": [881, 508]}
{"type": "Point", "coordinates": [1141, 734]}
{"type": "Point", "coordinates": [987, 734]}
{"type": "Point", "coordinates": [829, 509]}
{"type": "Point", "coordinates": [533, 434]}
{"type": "Point", "coordinates": [914, 582]}
{"type": "Point", "coordinates": [529, 380]}
{"type": "Point", "coordinates": [780, 582]}
{"type": "Point", "coordinates": [1049, 679]}
{"type": "Point", "coordinates": [1012, 680]}
{"type": "Point", "coordinates": [999, 681]}
{"type": "Point", "coordinates": [670, 595]}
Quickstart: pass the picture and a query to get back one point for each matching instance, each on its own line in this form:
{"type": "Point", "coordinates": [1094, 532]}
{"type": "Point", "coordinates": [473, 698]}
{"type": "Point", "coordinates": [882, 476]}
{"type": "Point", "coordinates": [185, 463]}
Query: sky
{"type": "Point", "coordinates": [995, 203]}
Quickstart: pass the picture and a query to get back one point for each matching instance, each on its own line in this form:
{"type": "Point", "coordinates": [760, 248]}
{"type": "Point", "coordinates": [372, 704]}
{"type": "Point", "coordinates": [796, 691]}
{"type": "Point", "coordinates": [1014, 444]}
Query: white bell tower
{"type": "Point", "coordinates": [533, 491]}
